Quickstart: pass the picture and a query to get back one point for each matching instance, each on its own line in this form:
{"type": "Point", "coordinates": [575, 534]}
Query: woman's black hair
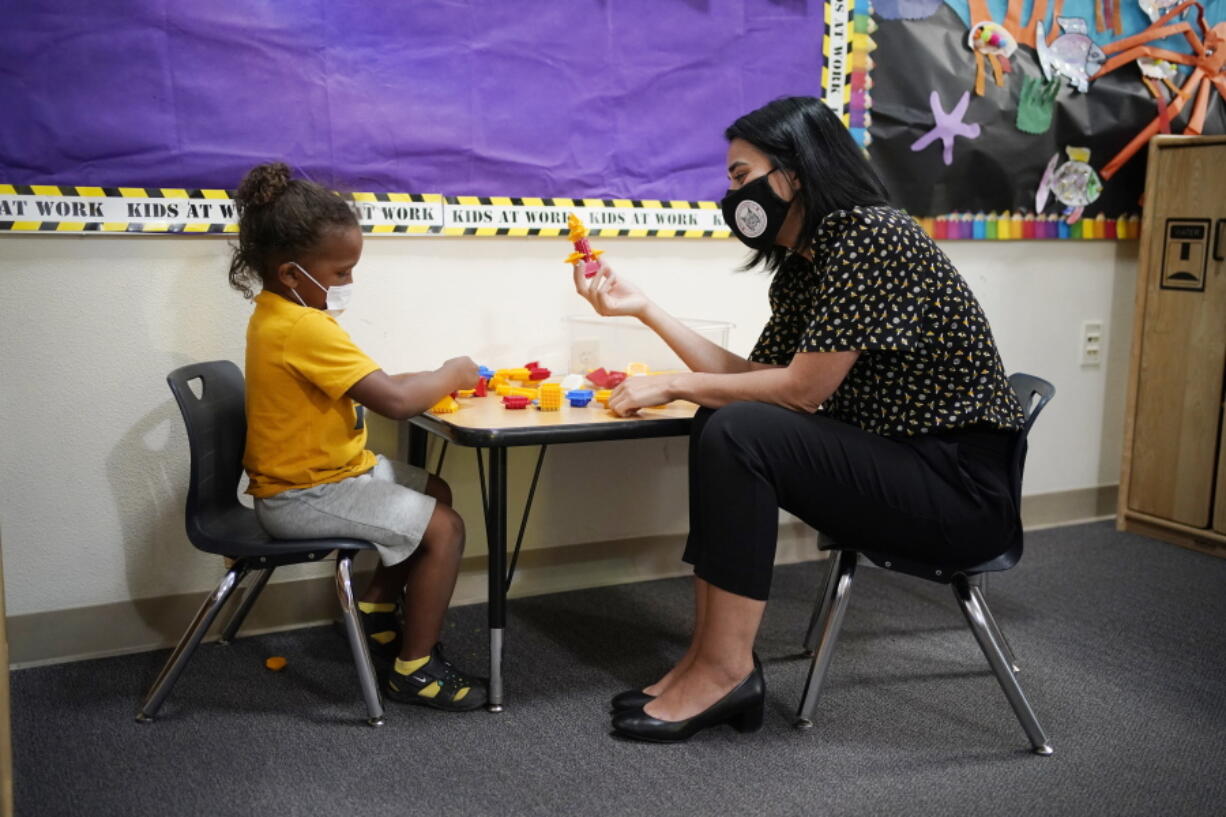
{"type": "Point", "coordinates": [280, 218]}
{"type": "Point", "coordinates": [802, 135]}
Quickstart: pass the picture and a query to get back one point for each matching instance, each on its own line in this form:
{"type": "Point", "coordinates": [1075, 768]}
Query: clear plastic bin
{"type": "Point", "coordinates": [612, 343]}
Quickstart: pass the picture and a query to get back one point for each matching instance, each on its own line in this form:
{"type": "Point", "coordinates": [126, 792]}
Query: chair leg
{"type": "Point", "coordinates": [244, 607]}
{"type": "Point", "coordinates": [357, 638]}
{"type": "Point", "coordinates": [979, 584]}
{"type": "Point", "coordinates": [810, 642]}
{"type": "Point", "coordinates": [187, 644]}
{"type": "Point", "coordinates": [975, 609]}
{"type": "Point", "coordinates": [827, 622]}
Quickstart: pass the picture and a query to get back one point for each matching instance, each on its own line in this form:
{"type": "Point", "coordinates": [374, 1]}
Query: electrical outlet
{"type": "Point", "coordinates": [584, 352]}
{"type": "Point", "coordinates": [1092, 348]}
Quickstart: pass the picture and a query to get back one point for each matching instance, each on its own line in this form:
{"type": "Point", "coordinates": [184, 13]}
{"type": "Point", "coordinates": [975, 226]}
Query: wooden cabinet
{"type": "Point", "coordinates": [1173, 480]}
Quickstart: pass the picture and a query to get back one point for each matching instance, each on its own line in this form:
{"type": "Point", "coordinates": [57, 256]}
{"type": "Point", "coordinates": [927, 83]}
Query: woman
{"type": "Point", "coordinates": [874, 405]}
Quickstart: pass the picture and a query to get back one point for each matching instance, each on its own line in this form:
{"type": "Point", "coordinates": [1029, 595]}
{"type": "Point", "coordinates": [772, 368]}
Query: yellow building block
{"type": "Point", "coordinates": [551, 396]}
{"type": "Point", "coordinates": [466, 392]}
{"type": "Point", "coordinates": [633, 369]}
{"type": "Point", "coordinates": [445, 406]}
{"type": "Point", "coordinates": [602, 396]}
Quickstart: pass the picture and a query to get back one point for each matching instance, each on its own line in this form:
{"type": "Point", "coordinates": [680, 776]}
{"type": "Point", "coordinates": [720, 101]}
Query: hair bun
{"type": "Point", "coordinates": [263, 184]}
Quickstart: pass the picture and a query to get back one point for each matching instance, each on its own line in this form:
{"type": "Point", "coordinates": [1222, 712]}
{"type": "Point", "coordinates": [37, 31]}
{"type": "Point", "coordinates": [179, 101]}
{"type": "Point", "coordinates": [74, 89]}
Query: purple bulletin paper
{"type": "Point", "coordinates": [596, 98]}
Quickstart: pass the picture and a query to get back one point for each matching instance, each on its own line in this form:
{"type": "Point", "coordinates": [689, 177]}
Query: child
{"type": "Point", "coordinates": [311, 474]}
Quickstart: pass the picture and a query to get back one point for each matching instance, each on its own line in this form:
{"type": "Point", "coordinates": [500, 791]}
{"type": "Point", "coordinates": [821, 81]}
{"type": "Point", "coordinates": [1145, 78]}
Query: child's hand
{"type": "Point", "coordinates": [461, 371]}
{"type": "Point", "coordinates": [608, 294]}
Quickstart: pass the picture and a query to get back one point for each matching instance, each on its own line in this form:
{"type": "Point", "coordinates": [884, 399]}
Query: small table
{"type": "Point", "coordinates": [483, 422]}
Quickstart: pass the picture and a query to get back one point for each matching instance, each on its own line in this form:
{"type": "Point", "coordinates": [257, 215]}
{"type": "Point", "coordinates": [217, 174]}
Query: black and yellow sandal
{"type": "Point", "coordinates": [382, 626]}
{"type": "Point", "coordinates": [435, 682]}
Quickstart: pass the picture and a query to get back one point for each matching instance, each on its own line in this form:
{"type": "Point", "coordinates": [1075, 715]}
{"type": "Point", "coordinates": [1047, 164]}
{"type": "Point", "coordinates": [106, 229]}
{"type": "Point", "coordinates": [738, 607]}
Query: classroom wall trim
{"type": "Point", "coordinates": [146, 624]}
{"type": "Point", "coordinates": [158, 210]}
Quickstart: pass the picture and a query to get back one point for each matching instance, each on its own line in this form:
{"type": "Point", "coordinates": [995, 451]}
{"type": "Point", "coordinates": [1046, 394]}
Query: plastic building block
{"type": "Point", "coordinates": [523, 373]}
{"type": "Point", "coordinates": [551, 397]}
{"type": "Point", "coordinates": [606, 380]}
{"type": "Point", "coordinates": [579, 397]}
{"type": "Point", "coordinates": [572, 382]}
{"type": "Point", "coordinates": [515, 401]}
{"type": "Point", "coordinates": [516, 391]}
{"type": "Point", "coordinates": [445, 406]}
{"type": "Point", "coordinates": [633, 369]}
{"type": "Point", "coordinates": [583, 250]}
{"type": "Point", "coordinates": [485, 371]}
{"type": "Point", "coordinates": [480, 389]}
{"type": "Point", "coordinates": [276, 663]}
{"type": "Point", "coordinates": [603, 395]}
{"type": "Point", "coordinates": [466, 392]}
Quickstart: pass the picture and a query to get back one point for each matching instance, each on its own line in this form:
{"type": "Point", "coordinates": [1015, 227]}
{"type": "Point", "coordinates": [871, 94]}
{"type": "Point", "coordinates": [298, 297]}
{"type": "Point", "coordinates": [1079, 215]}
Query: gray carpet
{"type": "Point", "coordinates": [1120, 639]}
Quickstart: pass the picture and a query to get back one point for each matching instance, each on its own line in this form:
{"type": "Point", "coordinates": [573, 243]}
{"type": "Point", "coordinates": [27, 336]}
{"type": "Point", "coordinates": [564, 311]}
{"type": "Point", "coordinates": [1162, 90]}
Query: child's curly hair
{"type": "Point", "coordinates": [280, 218]}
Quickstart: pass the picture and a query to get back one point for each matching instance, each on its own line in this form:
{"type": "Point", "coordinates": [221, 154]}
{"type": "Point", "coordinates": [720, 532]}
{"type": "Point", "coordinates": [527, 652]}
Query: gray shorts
{"type": "Point", "coordinates": [386, 506]}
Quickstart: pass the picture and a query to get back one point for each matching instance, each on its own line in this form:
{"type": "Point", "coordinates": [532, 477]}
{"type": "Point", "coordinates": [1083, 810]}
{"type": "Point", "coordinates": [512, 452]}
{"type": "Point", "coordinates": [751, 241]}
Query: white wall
{"type": "Point", "coordinates": [93, 458]}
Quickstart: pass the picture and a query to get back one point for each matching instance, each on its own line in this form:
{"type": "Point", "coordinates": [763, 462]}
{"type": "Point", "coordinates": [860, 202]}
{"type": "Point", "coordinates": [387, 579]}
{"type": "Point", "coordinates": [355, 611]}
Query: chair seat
{"type": "Point", "coordinates": [235, 532]}
{"type": "Point", "coordinates": [940, 572]}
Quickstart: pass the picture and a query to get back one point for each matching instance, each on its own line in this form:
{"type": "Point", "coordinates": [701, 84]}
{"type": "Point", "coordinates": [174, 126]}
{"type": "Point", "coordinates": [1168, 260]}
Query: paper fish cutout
{"type": "Point", "coordinates": [1074, 183]}
{"type": "Point", "coordinates": [1072, 55]}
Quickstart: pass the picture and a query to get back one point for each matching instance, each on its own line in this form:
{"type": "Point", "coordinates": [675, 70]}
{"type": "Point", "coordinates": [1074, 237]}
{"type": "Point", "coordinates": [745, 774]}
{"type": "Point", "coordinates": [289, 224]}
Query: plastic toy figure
{"type": "Point", "coordinates": [583, 250]}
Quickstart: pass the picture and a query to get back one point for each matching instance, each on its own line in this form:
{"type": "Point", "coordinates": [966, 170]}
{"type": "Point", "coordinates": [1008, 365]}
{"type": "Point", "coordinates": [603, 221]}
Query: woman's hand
{"type": "Point", "coordinates": [608, 294]}
{"type": "Point", "coordinates": [641, 391]}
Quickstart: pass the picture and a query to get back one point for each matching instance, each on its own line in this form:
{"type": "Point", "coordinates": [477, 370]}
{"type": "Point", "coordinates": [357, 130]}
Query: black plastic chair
{"type": "Point", "coordinates": [218, 523]}
{"type": "Point", "coordinates": [1033, 393]}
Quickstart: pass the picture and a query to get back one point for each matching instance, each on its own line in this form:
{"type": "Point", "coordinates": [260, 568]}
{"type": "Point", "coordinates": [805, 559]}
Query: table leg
{"type": "Point", "coordinates": [417, 446]}
{"type": "Point", "coordinates": [496, 537]}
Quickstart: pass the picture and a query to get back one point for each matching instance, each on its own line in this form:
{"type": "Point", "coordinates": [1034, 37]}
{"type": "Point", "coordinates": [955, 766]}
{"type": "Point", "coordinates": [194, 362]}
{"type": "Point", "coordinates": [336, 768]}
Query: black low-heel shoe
{"type": "Point", "coordinates": [742, 708]}
{"type": "Point", "coordinates": [630, 699]}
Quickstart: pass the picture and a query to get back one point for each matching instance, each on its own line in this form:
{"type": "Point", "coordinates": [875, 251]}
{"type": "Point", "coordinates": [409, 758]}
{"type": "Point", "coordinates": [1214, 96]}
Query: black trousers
{"type": "Point", "coordinates": [947, 498]}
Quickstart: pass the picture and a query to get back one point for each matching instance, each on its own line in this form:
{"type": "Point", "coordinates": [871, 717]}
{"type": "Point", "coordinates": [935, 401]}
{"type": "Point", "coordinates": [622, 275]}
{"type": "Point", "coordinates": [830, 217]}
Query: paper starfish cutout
{"type": "Point", "coordinates": [948, 126]}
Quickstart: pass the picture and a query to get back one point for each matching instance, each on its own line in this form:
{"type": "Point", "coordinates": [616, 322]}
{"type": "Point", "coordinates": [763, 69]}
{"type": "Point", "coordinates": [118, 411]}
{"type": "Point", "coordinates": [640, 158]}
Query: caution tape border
{"type": "Point", "coordinates": [37, 226]}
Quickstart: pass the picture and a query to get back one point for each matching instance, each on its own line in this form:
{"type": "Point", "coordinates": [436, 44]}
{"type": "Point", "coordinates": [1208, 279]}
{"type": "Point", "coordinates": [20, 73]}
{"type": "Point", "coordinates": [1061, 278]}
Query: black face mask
{"type": "Point", "coordinates": [755, 212]}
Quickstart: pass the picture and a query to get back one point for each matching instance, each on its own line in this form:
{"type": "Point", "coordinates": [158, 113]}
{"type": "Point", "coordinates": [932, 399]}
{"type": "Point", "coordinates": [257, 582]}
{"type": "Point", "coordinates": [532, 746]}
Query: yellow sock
{"type": "Point", "coordinates": [377, 607]}
{"type": "Point", "coordinates": [409, 667]}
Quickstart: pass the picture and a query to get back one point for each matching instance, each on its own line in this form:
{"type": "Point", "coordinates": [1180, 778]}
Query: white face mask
{"type": "Point", "coordinates": [338, 296]}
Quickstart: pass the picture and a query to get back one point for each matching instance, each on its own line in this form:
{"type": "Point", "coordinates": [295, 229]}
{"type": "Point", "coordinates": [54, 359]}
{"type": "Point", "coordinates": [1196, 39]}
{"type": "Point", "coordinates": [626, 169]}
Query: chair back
{"type": "Point", "coordinates": [1033, 393]}
{"type": "Point", "coordinates": [216, 423]}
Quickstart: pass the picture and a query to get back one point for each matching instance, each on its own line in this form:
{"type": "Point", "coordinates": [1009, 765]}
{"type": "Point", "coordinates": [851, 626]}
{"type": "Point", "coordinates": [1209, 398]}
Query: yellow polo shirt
{"type": "Point", "coordinates": [301, 428]}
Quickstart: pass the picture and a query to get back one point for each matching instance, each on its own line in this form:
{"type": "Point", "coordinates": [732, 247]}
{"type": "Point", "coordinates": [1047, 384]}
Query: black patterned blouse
{"type": "Point", "coordinates": [880, 285]}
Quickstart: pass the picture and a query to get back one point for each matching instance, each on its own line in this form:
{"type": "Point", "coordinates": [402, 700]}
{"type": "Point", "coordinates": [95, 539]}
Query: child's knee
{"type": "Point", "coordinates": [445, 529]}
{"type": "Point", "coordinates": [438, 488]}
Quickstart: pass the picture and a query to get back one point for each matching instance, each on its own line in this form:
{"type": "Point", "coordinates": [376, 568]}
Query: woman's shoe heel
{"type": "Point", "coordinates": [750, 720]}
